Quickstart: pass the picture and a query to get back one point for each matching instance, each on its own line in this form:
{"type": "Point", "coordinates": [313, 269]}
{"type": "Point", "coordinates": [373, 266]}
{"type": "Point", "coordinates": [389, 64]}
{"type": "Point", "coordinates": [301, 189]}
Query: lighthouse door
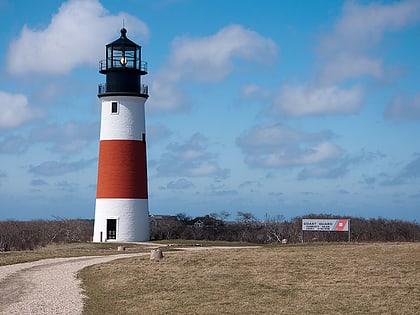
{"type": "Point", "coordinates": [111, 229]}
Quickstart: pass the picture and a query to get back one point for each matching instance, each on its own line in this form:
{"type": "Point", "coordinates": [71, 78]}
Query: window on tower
{"type": "Point", "coordinates": [114, 108]}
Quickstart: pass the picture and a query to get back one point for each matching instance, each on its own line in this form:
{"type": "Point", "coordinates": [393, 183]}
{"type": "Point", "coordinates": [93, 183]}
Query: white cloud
{"type": "Point", "coordinates": [276, 146]}
{"type": "Point", "coordinates": [254, 92]}
{"type": "Point", "coordinates": [321, 172]}
{"type": "Point", "coordinates": [276, 135]}
{"type": "Point", "coordinates": [13, 145]}
{"type": "Point", "coordinates": [15, 110]}
{"type": "Point", "coordinates": [166, 96]}
{"type": "Point", "coordinates": [403, 107]}
{"type": "Point", "coordinates": [55, 168]}
{"type": "Point", "coordinates": [344, 66]}
{"type": "Point", "coordinates": [321, 152]}
{"type": "Point", "coordinates": [75, 36]}
{"type": "Point", "coordinates": [212, 58]}
{"type": "Point", "coordinates": [338, 167]}
{"type": "Point", "coordinates": [205, 169]}
{"type": "Point", "coordinates": [68, 137]}
{"type": "Point", "coordinates": [408, 173]}
{"type": "Point", "coordinates": [305, 100]}
{"type": "Point", "coordinates": [190, 159]}
{"type": "Point", "coordinates": [207, 59]}
{"type": "Point", "coordinates": [363, 26]}
{"type": "Point", "coordinates": [250, 90]}
{"type": "Point", "coordinates": [345, 52]}
{"type": "Point", "coordinates": [158, 132]}
{"type": "Point", "coordinates": [179, 184]}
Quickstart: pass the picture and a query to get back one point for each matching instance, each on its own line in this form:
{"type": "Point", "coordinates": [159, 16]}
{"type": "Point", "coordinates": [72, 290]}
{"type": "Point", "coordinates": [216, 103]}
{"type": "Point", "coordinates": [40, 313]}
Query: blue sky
{"type": "Point", "coordinates": [268, 107]}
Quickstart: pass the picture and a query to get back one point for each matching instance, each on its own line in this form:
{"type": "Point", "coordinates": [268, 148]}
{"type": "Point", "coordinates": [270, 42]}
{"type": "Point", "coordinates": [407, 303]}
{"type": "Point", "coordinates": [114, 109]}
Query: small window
{"type": "Point", "coordinates": [114, 108]}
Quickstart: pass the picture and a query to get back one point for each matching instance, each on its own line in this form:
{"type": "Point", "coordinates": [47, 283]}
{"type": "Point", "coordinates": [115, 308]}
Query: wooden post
{"type": "Point", "coordinates": [349, 230]}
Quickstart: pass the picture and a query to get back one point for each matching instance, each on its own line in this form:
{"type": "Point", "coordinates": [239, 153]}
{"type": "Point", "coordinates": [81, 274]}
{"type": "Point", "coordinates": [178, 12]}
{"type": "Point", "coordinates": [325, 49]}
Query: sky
{"type": "Point", "coordinates": [269, 107]}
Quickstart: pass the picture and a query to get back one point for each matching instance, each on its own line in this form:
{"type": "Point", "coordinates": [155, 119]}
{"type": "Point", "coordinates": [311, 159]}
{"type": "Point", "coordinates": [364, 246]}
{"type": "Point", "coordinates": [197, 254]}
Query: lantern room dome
{"type": "Point", "coordinates": [123, 54]}
{"type": "Point", "coordinates": [123, 40]}
{"type": "Point", "coordinates": [123, 68]}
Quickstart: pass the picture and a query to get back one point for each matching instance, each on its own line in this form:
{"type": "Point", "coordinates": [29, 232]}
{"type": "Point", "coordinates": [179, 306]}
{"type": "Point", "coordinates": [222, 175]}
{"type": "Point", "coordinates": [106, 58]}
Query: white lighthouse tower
{"type": "Point", "coordinates": [121, 212]}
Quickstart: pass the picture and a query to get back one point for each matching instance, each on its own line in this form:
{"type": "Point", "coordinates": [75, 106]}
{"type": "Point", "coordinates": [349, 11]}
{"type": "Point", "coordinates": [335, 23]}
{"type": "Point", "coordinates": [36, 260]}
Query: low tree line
{"type": "Point", "coordinates": [275, 229]}
{"type": "Point", "coordinates": [22, 235]}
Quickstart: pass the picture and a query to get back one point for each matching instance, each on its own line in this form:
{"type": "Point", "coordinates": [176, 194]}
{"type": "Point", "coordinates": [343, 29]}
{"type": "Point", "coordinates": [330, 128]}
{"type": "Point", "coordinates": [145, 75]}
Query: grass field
{"type": "Point", "coordinates": [292, 279]}
{"type": "Point", "coordinates": [67, 250]}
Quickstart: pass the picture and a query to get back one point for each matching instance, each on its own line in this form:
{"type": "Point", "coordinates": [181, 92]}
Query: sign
{"type": "Point", "coordinates": [335, 225]}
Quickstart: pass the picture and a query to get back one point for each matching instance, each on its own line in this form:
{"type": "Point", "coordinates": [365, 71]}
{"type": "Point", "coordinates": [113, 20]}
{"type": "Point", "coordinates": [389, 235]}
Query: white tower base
{"type": "Point", "coordinates": [121, 220]}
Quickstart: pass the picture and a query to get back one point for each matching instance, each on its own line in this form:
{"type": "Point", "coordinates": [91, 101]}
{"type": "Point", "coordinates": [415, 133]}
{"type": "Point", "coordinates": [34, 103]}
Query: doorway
{"type": "Point", "coordinates": [111, 229]}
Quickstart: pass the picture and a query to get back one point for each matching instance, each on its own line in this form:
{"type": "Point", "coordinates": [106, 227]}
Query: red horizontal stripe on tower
{"type": "Point", "coordinates": [122, 169]}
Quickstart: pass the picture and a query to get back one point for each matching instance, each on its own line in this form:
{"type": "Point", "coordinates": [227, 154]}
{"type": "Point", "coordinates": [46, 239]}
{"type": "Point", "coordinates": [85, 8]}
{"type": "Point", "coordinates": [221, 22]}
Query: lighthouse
{"type": "Point", "coordinates": [121, 210]}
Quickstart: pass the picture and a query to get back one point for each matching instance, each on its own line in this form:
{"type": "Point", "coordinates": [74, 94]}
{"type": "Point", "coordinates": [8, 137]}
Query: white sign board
{"type": "Point", "coordinates": [336, 225]}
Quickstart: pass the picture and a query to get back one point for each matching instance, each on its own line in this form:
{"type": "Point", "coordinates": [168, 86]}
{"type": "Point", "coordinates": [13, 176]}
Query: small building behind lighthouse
{"type": "Point", "coordinates": [121, 210]}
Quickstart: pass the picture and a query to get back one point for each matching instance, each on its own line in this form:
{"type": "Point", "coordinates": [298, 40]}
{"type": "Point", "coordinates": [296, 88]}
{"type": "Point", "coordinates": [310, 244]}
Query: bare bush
{"type": "Point", "coordinates": [274, 229]}
{"type": "Point", "coordinates": [23, 235]}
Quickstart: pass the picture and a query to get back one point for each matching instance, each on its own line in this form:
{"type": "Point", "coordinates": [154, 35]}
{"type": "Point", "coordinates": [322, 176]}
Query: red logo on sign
{"type": "Point", "coordinates": [341, 225]}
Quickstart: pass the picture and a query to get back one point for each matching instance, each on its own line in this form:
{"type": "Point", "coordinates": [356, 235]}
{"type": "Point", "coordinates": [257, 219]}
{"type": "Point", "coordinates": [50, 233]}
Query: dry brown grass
{"type": "Point", "coordinates": [328, 279]}
{"type": "Point", "coordinates": [66, 250]}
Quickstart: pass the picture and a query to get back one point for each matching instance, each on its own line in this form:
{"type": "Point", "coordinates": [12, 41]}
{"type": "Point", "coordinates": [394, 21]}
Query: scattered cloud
{"type": "Point", "coordinates": [167, 96]}
{"type": "Point", "coordinates": [39, 182]}
{"type": "Point", "coordinates": [339, 167]}
{"type": "Point", "coordinates": [346, 53]}
{"type": "Point", "coordinates": [158, 132]}
{"type": "Point", "coordinates": [362, 26]}
{"type": "Point", "coordinates": [13, 145]}
{"type": "Point", "coordinates": [219, 192]}
{"type": "Point", "coordinates": [344, 66]}
{"type": "Point", "coordinates": [190, 159]}
{"type": "Point", "coordinates": [306, 100]}
{"type": "Point", "coordinates": [66, 186]}
{"type": "Point", "coordinates": [179, 184]}
{"type": "Point", "coordinates": [191, 58]}
{"type": "Point", "coordinates": [325, 172]}
{"type": "Point", "coordinates": [49, 51]}
{"type": "Point", "coordinates": [351, 51]}
{"type": "Point", "coordinates": [276, 146]}
{"type": "Point", "coordinates": [52, 90]}
{"type": "Point", "coordinates": [16, 110]}
{"type": "Point", "coordinates": [69, 137]}
{"type": "Point", "coordinates": [254, 92]}
{"type": "Point", "coordinates": [368, 180]}
{"type": "Point", "coordinates": [250, 184]}
{"type": "Point", "coordinates": [343, 192]}
{"type": "Point", "coordinates": [402, 107]}
{"type": "Point", "coordinates": [55, 168]}
{"type": "Point", "coordinates": [66, 138]}
{"type": "Point", "coordinates": [411, 170]}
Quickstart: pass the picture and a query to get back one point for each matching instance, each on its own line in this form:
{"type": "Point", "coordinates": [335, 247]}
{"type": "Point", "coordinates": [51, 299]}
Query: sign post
{"type": "Point", "coordinates": [331, 225]}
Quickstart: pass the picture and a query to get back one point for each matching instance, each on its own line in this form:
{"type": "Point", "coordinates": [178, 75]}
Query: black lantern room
{"type": "Point", "coordinates": [123, 69]}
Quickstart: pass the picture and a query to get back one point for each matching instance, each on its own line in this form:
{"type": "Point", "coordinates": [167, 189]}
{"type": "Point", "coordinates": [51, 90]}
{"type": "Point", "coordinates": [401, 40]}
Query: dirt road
{"type": "Point", "coordinates": [46, 286]}
{"type": "Point", "coordinates": [50, 286]}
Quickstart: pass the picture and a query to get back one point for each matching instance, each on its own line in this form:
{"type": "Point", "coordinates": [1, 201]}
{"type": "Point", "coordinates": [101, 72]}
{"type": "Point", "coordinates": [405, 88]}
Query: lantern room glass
{"type": "Point", "coordinates": [123, 57]}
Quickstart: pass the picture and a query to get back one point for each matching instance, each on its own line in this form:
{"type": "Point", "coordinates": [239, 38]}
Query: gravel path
{"type": "Point", "coordinates": [47, 286]}
{"type": "Point", "coordinates": [50, 286]}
